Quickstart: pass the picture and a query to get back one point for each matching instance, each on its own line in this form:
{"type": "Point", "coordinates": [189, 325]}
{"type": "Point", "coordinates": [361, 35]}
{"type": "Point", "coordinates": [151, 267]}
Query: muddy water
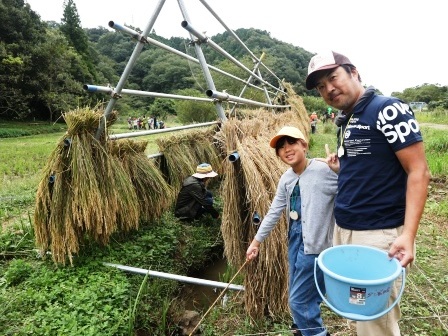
{"type": "Point", "coordinates": [199, 297]}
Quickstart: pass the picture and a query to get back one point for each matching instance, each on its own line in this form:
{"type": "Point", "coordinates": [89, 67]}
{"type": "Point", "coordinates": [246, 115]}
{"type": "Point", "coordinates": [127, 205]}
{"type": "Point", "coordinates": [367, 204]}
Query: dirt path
{"type": "Point", "coordinates": [437, 126]}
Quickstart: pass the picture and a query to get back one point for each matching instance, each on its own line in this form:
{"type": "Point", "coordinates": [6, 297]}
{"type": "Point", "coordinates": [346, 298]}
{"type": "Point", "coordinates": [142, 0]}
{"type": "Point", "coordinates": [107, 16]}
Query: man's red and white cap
{"type": "Point", "coordinates": [323, 61]}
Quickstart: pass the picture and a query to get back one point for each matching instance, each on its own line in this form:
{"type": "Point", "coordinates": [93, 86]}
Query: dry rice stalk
{"type": "Point", "coordinates": [153, 193]}
{"type": "Point", "coordinates": [298, 108]}
{"type": "Point", "coordinates": [234, 213]}
{"type": "Point", "coordinates": [273, 255]}
{"type": "Point", "coordinates": [44, 196]}
{"type": "Point", "coordinates": [182, 152]}
{"type": "Point", "coordinates": [84, 191]}
{"type": "Point", "coordinates": [249, 186]}
{"type": "Point", "coordinates": [118, 194]}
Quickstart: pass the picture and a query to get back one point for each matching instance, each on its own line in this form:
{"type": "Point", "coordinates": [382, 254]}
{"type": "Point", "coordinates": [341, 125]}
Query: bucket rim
{"type": "Point", "coordinates": [385, 280]}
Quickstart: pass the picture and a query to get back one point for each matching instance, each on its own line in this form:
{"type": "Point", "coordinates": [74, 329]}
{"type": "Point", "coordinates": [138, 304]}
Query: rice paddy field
{"type": "Point", "coordinates": [40, 297]}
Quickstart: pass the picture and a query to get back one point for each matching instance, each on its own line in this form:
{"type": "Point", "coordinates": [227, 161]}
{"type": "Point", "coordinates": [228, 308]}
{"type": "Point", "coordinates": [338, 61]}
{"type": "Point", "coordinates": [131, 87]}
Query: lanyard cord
{"type": "Point", "coordinates": [341, 138]}
{"type": "Point", "coordinates": [296, 191]}
{"type": "Point", "coordinates": [294, 195]}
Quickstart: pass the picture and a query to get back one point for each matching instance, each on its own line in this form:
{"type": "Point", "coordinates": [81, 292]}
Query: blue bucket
{"type": "Point", "coordinates": [358, 280]}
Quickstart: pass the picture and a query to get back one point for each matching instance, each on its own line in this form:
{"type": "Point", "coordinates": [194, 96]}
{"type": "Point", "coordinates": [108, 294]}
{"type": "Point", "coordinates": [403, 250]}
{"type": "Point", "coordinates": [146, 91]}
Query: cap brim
{"type": "Point", "coordinates": [274, 140]}
{"type": "Point", "coordinates": [211, 174]}
{"type": "Point", "coordinates": [310, 82]}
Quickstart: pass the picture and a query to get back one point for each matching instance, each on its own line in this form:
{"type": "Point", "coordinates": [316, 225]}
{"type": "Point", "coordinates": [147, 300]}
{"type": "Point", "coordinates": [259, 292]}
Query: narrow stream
{"type": "Point", "coordinates": [200, 297]}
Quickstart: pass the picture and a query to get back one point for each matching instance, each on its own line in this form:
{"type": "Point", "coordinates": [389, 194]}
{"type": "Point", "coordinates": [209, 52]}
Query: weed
{"type": "Point", "coordinates": [18, 271]}
{"type": "Point", "coordinates": [133, 310]}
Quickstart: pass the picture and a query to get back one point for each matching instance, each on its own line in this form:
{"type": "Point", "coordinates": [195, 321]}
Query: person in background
{"type": "Point", "coordinates": [313, 121]}
{"type": "Point", "coordinates": [383, 173]}
{"type": "Point", "coordinates": [306, 191]}
{"type": "Point", "coordinates": [194, 200]}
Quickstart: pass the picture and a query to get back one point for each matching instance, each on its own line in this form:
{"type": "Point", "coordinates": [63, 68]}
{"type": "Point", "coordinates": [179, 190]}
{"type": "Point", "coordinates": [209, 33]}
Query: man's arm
{"type": "Point", "coordinates": [413, 161]}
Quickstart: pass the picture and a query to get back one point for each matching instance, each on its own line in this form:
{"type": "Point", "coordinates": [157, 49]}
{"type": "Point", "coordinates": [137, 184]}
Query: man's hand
{"type": "Point", "coordinates": [332, 160]}
{"type": "Point", "coordinates": [402, 249]}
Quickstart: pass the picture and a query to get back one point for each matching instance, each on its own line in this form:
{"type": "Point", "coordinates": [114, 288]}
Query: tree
{"type": "Point", "coordinates": [71, 28]}
{"type": "Point", "coordinates": [190, 111]}
{"type": "Point", "coordinates": [20, 31]}
{"type": "Point", "coordinates": [428, 93]}
{"type": "Point", "coordinates": [77, 38]}
{"type": "Point", "coordinates": [162, 107]}
{"type": "Point", "coordinates": [14, 102]}
{"type": "Point", "coordinates": [56, 84]}
{"type": "Point", "coordinates": [314, 104]}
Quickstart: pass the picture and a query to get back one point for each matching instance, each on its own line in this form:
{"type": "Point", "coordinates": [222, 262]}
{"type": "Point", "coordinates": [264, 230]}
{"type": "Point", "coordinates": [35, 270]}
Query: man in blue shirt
{"type": "Point", "coordinates": [382, 170]}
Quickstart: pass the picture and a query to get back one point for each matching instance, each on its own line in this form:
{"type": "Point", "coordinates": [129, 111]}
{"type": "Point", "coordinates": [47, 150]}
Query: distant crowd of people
{"type": "Point", "coordinates": [144, 123]}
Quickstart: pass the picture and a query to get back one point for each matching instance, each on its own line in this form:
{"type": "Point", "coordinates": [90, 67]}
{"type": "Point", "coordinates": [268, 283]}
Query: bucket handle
{"type": "Point", "coordinates": [359, 317]}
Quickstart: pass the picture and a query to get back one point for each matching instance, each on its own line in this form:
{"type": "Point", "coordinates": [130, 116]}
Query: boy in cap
{"type": "Point", "coordinates": [383, 173]}
{"type": "Point", "coordinates": [306, 191]}
{"type": "Point", "coordinates": [194, 199]}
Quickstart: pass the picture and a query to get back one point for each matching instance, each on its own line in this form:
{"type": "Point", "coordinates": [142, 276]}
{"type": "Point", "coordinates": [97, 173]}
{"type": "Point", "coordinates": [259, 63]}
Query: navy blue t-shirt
{"type": "Point", "coordinates": [372, 182]}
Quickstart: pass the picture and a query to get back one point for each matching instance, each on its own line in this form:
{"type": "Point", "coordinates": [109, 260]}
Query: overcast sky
{"type": "Point", "coordinates": [395, 44]}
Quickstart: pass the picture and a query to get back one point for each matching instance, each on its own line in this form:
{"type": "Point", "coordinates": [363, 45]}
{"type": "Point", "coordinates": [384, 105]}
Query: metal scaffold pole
{"type": "Point", "coordinates": [138, 48]}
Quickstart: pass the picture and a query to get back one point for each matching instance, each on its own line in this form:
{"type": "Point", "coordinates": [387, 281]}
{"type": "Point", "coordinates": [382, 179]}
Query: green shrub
{"type": "Point", "coordinates": [13, 130]}
{"type": "Point", "coordinates": [18, 271]}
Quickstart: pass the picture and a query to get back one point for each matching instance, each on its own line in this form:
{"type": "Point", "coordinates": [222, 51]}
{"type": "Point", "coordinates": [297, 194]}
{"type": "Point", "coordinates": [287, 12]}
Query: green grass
{"type": "Point", "coordinates": [21, 160]}
{"type": "Point", "coordinates": [437, 116]}
{"type": "Point", "coordinates": [10, 129]}
{"type": "Point", "coordinates": [326, 134]}
{"type": "Point", "coordinates": [436, 147]}
{"type": "Point", "coordinates": [40, 298]}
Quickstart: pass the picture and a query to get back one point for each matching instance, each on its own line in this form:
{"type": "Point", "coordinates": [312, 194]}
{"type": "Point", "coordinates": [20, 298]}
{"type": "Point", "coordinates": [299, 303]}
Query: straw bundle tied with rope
{"type": "Point", "coordinates": [84, 191]}
{"type": "Point", "coordinates": [249, 186]}
{"type": "Point", "coordinates": [154, 194]}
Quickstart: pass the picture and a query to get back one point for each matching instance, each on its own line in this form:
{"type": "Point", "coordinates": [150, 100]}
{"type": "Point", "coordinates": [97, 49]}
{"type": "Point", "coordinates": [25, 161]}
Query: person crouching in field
{"type": "Point", "coordinates": [194, 200]}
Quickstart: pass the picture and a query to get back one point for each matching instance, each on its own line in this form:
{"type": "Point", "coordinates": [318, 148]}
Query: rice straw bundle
{"type": "Point", "coordinates": [233, 194]}
{"type": "Point", "coordinates": [153, 192]}
{"type": "Point", "coordinates": [84, 191]}
{"type": "Point", "coordinates": [48, 224]}
{"type": "Point", "coordinates": [120, 203]}
{"type": "Point", "coordinates": [184, 151]}
{"type": "Point", "coordinates": [298, 108]}
{"type": "Point", "coordinates": [263, 180]}
{"type": "Point", "coordinates": [249, 186]}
